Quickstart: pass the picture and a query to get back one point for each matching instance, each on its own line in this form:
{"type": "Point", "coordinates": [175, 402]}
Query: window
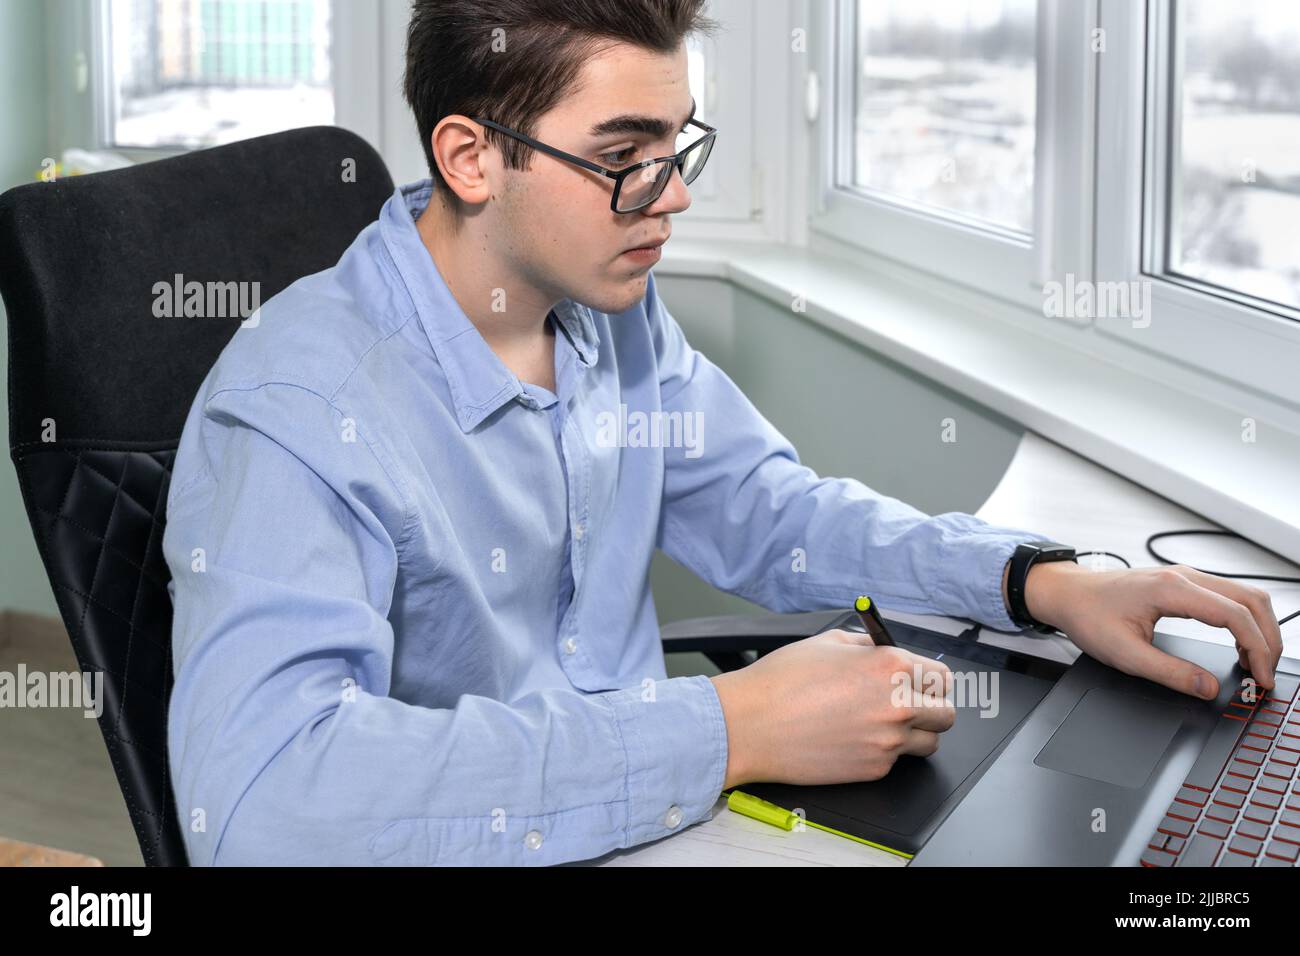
{"type": "Point", "coordinates": [723, 193]}
{"type": "Point", "coordinates": [699, 81]}
{"type": "Point", "coordinates": [1205, 132]}
{"type": "Point", "coordinates": [940, 145]}
{"type": "Point", "coordinates": [945, 106]}
{"type": "Point", "coordinates": [1231, 188]}
{"type": "Point", "coordinates": [198, 73]}
{"type": "Point", "coordinates": [1002, 146]}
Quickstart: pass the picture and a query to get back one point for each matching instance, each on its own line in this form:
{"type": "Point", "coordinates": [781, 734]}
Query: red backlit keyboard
{"type": "Point", "coordinates": [1240, 805]}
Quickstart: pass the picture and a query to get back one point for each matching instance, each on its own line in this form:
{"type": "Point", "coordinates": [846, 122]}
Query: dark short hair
{"type": "Point", "coordinates": [455, 64]}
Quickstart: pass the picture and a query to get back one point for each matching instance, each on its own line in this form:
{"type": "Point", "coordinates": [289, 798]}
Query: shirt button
{"type": "Point", "coordinates": [533, 840]}
{"type": "Point", "coordinates": [578, 530]}
{"type": "Point", "coordinates": [673, 817]}
{"type": "Point", "coordinates": [570, 645]}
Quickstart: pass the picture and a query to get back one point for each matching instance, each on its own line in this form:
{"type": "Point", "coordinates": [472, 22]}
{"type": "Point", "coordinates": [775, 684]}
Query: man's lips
{"type": "Point", "coordinates": [652, 245]}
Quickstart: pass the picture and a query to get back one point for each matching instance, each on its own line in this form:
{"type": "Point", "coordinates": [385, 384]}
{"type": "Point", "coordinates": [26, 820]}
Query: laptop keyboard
{"type": "Point", "coordinates": [1240, 805]}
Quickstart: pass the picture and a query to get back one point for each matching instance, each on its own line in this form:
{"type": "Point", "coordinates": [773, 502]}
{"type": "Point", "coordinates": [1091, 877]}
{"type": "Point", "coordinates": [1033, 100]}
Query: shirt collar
{"type": "Point", "coordinates": [480, 382]}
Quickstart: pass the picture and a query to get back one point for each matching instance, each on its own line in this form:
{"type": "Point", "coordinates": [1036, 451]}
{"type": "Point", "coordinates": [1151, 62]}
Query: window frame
{"type": "Point", "coordinates": [354, 42]}
{"type": "Point", "coordinates": [1093, 174]}
{"type": "Point", "coordinates": [993, 260]}
{"type": "Point", "coordinates": [1189, 319]}
{"type": "Point", "coordinates": [724, 191]}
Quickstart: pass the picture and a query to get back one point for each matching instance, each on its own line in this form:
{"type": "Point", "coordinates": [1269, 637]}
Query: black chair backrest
{"type": "Point", "coordinates": [99, 385]}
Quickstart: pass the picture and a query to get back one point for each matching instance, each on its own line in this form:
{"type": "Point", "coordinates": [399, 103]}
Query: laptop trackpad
{"type": "Point", "coordinates": [1112, 737]}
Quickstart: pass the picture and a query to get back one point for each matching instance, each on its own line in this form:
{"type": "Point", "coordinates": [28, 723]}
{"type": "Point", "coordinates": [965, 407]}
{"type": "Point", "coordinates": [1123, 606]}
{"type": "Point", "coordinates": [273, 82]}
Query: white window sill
{"type": "Point", "coordinates": [1159, 425]}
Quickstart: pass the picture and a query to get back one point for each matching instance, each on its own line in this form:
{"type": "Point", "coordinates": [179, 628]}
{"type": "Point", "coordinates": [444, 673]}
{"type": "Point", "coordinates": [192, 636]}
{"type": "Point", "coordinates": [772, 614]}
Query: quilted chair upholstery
{"type": "Point", "coordinates": [99, 387]}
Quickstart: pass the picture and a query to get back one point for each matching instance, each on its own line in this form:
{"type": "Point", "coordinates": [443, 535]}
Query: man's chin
{"type": "Point", "coordinates": [619, 296]}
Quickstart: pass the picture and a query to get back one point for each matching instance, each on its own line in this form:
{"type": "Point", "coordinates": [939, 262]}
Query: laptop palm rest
{"type": "Point", "coordinates": [1091, 772]}
{"type": "Point", "coordinates": [1112, 737]}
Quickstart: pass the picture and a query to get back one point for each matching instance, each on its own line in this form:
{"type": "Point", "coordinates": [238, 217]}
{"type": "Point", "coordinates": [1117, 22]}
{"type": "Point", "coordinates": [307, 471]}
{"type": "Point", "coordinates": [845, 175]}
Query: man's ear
{"type": "Point", "coordinates": [463, 159]}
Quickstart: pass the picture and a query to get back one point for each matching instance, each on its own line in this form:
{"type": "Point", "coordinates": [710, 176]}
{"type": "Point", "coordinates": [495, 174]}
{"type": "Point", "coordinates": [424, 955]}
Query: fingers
{"type": "Point", "coordinates": [920, 743]}
{"type": "Point", "coordinates": [1256, 600]}
{"type": "Point", "coordinates": [1141, 659]}
{"type": "Point", "coordinates": [931, 673]}
{"type": "Point", "coordinates": [1185, 597]}
{"type": "Point", "coordinates": [929, 692]}
{"type": "Point", "coordinates": [932, 715]}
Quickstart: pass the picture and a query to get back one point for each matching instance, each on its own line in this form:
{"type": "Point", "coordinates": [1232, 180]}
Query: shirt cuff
{"type": "Point", "coordinates": [984, 556]}
{"type": "Point", "coordinates": [675, 741]}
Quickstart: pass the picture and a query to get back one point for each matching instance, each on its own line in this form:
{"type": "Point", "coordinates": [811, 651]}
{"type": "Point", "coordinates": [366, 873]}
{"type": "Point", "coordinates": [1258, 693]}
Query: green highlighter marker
{"type": "Point", "coordinates": [871, 620]}
{"type": "Point", "coordinates": [760, 809]}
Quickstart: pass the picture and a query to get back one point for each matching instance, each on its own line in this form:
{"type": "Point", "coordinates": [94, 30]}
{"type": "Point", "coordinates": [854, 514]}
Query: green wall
{"type": "Point", "coordinates": [24, 142]}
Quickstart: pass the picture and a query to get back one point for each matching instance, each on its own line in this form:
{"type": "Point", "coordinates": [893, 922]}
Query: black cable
{"type": "Point", "coordinates": [1220, 574]}
{"type": "Point", "coordinates": [1226, 534]}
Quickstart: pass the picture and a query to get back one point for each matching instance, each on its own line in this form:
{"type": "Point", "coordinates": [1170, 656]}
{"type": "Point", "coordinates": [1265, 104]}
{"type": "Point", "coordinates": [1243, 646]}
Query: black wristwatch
{"type": "Point", "coordinates": [1026, 556]}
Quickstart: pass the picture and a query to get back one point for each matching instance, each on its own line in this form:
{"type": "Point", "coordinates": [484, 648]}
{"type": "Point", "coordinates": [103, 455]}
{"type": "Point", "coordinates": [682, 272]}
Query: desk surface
{"type": "Point", "coordinates": [1053, 491]}
{"type": "Point", "coordinates": [18, 853]}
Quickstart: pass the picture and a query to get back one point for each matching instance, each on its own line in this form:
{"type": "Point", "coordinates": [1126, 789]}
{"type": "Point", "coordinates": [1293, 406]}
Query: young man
{"type": "Point", "coordinates": [410, 562]}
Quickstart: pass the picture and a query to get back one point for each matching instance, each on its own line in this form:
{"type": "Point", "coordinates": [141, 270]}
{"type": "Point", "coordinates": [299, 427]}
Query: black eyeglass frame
{"type": "Point", "coordinates": [679, 160]}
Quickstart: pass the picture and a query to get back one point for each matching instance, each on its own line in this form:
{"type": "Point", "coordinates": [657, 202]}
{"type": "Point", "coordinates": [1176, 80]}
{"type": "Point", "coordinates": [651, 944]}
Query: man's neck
{"type": "Point", "coordinates": [510, 314]}
{"type": "Point", "coordinates": [503, 308]}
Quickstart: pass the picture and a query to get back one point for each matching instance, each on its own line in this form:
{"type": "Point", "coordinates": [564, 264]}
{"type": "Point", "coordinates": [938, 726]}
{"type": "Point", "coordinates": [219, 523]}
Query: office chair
{"type": "Point", "coordinates": [99, 389]}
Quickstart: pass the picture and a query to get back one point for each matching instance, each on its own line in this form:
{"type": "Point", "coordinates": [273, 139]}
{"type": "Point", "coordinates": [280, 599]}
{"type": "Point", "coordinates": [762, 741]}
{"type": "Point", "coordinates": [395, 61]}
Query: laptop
{"type": "Point", "coordinates": [1082, 765]}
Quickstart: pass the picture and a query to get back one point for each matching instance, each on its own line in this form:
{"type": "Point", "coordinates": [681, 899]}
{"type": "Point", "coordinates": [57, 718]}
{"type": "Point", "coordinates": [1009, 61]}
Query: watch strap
{"type": "Point", "coordinates": [1025, 557]}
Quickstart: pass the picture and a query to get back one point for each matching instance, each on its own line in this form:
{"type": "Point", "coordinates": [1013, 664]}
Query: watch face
{"type": "Point", "coordinates": [1047, 548]}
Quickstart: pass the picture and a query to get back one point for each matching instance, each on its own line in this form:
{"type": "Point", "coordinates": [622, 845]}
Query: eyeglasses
{"type": "Point", "coordinates": [642, 183]}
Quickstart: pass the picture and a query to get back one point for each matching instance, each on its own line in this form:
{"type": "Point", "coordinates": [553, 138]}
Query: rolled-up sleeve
{"type": "Point", "coordinates": [741, 511]}
{"type": "Point", "coordinates": [284, 540]}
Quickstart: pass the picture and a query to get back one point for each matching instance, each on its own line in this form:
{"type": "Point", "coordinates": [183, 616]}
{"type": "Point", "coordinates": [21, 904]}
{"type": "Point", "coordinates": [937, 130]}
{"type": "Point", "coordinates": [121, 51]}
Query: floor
{"type": "Point", "coordinates": [57, 787]}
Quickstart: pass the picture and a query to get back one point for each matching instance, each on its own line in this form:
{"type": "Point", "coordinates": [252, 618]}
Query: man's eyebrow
{"type": "Point", "coordinates": [647, 125]}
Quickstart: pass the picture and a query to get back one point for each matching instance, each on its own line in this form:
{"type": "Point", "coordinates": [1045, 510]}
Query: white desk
{"type": "Point", "coordinates": [1052, 491]}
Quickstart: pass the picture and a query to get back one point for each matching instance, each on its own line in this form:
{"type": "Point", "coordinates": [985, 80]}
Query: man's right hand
{"type": "Point", "coordinates": [827, 709]}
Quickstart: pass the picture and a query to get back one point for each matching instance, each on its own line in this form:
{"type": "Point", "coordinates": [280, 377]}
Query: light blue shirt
{"type": "Point", "coordinates": [412, 615]}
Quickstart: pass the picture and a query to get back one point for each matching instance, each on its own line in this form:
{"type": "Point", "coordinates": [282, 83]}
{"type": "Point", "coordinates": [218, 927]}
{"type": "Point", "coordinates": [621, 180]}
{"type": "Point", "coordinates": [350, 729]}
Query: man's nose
{"type": "Point", "coordinates": [676, 196]}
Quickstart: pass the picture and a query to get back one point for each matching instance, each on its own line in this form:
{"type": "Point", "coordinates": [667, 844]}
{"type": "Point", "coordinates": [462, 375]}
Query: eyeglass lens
{"type": "Point", "coordinates": [646, 184]}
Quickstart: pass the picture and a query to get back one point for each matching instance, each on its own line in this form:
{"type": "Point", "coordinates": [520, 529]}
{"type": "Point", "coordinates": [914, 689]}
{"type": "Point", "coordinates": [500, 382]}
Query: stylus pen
{"type": "Point", "coordinates": [871, 620]}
